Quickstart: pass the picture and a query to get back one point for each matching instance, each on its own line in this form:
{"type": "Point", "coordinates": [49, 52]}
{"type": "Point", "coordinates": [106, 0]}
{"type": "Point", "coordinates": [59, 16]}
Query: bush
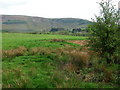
{"type": "Point", "coordinates": [104, 31]}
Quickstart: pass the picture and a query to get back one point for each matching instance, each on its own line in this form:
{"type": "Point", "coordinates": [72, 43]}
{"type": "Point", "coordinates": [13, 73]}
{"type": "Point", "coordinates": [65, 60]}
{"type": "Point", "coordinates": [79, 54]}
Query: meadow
{"type": "Point", "coordinates": [14, 40]}
{"type": "Point", "coordinates": [51, 61]}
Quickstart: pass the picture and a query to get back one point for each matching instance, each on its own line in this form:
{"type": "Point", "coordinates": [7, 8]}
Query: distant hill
{"type": "Point", "coordinates": [19, 23]}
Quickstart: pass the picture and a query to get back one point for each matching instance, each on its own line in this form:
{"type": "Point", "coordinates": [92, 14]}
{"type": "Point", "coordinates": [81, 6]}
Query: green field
{"type": "Point", "coordinates": [14, 40]}
{"type": "Point", "coordinates": [48, 61]}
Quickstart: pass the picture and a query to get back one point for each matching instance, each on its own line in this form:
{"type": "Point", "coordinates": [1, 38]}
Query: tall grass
{"type": "Point", "coordinates": [14, 52]}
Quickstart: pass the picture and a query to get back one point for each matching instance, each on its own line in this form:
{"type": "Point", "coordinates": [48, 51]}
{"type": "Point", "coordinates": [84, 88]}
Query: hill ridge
{"type": "Point", "coordinates": [23, 23]}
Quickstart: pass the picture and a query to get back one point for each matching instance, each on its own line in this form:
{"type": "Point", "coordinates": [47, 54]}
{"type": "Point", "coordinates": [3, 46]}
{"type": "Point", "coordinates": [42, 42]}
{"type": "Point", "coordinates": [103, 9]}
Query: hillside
{"type": "Point", "coordinates": [19, 23]}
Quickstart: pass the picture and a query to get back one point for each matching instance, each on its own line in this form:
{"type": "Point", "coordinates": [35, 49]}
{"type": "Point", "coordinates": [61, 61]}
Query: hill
{"type": "Point", "coordinates": [20, 23]}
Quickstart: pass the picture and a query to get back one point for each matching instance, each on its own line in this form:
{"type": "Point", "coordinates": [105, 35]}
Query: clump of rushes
{"type": "Point", "coordinates": [80, 59]}
{"type": "Point", "coordinates": [14, 52]}
{"type": "Point", "coordinates": [57, 40]}
{"type": "Point", "coordinates": [70, 67]}
{"type": "Point", "coordinates": [40, 50]}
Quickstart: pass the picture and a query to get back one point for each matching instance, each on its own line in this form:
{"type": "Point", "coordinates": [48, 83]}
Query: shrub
{"type": "Point", "coordinates": [104, 31]}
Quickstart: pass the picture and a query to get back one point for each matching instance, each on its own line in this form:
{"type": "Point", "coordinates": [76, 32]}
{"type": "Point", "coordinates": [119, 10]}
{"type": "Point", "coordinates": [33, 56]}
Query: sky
{"type": "Point", "coordinates": [84, 9]}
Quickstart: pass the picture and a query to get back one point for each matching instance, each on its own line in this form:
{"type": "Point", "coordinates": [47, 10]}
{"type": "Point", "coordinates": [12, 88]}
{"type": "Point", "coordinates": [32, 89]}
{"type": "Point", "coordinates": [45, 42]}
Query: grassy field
{"type": "Point", "coordinates": [14, 40]}
{"type": "Point", "coordinates": [50, 61]}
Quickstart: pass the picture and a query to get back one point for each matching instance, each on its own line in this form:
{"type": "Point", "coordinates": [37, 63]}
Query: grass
{"type": "Point", "coordinates": [14, 40]}
{"type": "Point", "coordinates": [40, 72]}
{"type": "Point", "coordinates": [49, 61]}
{"type": "Point", "coordinates": [33, 69]}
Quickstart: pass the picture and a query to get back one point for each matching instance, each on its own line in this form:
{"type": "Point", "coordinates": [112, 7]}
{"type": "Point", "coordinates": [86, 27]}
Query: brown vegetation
{"type": "Point", "coordinates": [57, 40]}
{"type": "Point", "coordinates": [14, 52]}
{"type": "Point", "coordinates": [40, 50]}
{"type": "Point", "coordinates": [80, 42]}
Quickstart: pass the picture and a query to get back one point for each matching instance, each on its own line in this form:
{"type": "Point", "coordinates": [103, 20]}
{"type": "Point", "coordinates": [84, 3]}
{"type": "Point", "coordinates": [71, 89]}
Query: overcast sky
{"type": "Point", "coordinates": [84, 9]}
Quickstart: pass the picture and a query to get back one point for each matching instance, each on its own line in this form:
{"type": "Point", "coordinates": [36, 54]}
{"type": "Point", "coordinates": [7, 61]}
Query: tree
{"type": "Point", "coordinates": [105, 31]}
{"type": "Point", "coordinates": [76, 30]}
{"type": "Point", "coordinates": [56, 29]}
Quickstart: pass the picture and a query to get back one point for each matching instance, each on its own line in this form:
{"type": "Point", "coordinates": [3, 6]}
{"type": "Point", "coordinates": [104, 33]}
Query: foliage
{"type": "Point", "coordinates": [104, 31]}
{"type": "Point", "coordinates": [76, 30]}
{"type": "Point", "coordinates": [56, 29]}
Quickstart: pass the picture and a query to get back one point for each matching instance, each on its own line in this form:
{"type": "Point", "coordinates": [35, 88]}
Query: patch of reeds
{"type": "Point", "coordinates": [80, 59]}
{"type": "Point", "coordinates": [14, 52]}
{"type": "Point", "coordinates": [57, 40]}
{"type": "Point", "coordinates": [39, 51]}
